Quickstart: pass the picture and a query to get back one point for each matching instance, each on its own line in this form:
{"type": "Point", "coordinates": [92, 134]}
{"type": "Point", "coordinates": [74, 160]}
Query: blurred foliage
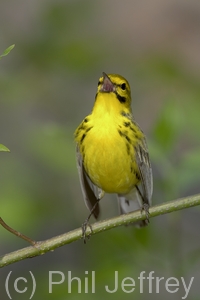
{"type": "Point", "coordinates": [4, 148]}
{"type": "Point", "coordinates": [48, 85]}
{"type": "Point", "coordinates": [5, 52]}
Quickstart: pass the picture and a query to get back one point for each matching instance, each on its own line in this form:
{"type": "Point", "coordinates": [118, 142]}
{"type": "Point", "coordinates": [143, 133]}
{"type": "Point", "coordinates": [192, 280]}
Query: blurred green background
{"type": "Point", "coordinates": [47, 86]}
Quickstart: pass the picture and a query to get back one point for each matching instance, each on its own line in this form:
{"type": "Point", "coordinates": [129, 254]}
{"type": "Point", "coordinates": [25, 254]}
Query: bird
{"type": "Point", "coordinates": [112, 154]}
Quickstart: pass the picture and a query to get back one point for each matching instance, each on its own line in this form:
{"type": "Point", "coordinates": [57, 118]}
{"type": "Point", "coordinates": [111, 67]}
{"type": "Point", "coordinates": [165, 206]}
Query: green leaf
{"type": "Point", "coordinates": [7, 51]}
{"type": "Point", "coordinates": [4, 148]}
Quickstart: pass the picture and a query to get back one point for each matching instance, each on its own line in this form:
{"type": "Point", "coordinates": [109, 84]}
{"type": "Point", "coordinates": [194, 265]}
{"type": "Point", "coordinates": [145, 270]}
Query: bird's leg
{"type": "Point", "coordinates": [87, 224]}
{"type": "Point", "coordinates": [145, 207]}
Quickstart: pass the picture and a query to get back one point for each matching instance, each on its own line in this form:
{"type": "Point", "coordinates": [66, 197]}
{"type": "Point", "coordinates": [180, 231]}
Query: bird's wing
{"type": "Point", "coordinates": [142, 193]}
{"type": "Point", "coordinates": [145, 170]}
{"type": "Point", "coordinates": [91, 193]}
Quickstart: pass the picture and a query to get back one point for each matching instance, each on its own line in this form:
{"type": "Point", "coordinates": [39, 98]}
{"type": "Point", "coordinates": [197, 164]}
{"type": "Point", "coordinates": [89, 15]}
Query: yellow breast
{"type": "Point", "coordinates": [107, 147]}
{"type": "Point", "coordinates": [108, 164]}
{"type": "Point", "coordinates": [109, 158]}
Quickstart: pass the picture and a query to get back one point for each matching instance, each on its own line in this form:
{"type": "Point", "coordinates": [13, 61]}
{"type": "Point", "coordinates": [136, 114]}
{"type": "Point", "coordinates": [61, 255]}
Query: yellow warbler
{"type": "Point", "coordinates": [112, 154]}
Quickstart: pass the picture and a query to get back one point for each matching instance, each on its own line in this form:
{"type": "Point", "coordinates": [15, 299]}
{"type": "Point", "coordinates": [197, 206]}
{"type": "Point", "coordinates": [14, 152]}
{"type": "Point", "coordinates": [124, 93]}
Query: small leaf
{"type": "Point", "coordinates": [4, 148]}
{"type": "Point", "coordinates": [7, 51]}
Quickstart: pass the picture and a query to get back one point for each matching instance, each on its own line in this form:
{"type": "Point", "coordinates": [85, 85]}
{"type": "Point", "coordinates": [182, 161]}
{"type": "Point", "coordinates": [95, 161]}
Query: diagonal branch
{"type": "Point", "coordinates": [17, 233]}
{"type": "Point", "coordinates": [48, 245]}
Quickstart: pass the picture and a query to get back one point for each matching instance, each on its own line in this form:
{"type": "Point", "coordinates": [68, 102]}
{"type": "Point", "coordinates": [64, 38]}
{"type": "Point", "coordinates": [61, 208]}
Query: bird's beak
{"type": "Point", "coordinates": [107, 85]}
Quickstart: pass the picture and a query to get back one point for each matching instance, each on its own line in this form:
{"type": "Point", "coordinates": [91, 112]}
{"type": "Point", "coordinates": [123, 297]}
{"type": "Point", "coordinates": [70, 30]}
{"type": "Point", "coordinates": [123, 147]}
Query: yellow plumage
{"type": "Point", "coordinates": [112, 153]}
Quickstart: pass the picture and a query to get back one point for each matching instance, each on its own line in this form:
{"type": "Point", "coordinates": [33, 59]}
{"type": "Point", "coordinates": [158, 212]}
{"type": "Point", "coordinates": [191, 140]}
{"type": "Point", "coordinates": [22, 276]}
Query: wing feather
{"type": "Point", "coordinates": [145, 170]}
{"type": "Point", "coordinates": [141, 195]}
{"type": "Point", "coordinates": [91, 192]}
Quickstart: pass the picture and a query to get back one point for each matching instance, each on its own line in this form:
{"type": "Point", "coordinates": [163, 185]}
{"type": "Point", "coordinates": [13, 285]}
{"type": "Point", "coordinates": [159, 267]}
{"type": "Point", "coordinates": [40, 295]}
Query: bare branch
{"type": "Point", "coordinates": [17, 233]}
{"type": "Point", "coordinates": [48, 245]}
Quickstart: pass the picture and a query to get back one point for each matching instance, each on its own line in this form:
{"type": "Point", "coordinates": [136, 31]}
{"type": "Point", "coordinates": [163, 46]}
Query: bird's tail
{"type": "Point", "coordinates": [131, 202]}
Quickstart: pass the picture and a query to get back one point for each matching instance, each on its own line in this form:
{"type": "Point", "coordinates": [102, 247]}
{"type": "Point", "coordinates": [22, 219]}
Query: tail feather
{"type": "Point", "coordinates": [132, 202]}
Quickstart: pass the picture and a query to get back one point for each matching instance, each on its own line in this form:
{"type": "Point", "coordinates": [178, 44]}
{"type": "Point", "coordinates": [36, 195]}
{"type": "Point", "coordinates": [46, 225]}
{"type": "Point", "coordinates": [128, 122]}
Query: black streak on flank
{"type": "Point", "coordinates": [128, 148]}
{"type": "Point", "coordinates": [127, 138]}
{"type": "Point", "coordinates": [82, 127]}
{"type": "Point", "coordinates": [89, 128]}
{"type": "Point", "coordinates": [83, 136]}
{"type": "Point", "coordinates": [120, 133]}
{"type": "Point", "coordinates": [127, 124]}
{"type": "Point", "coordinates": [124, 135]}
{"type": "Point", "coordinates": [133, 129]}
{"type": "Point", "coordinates": [137, 175]}
{"type": "Point", "coordinates": [126, 115]}
{"type": "Point", "coordinates": [86, 120]}
{"type": "Point", "coordinates": [121, 99]}
{"type": "Point", "coordinates": [123, 113]}
{"type": "Point", "coordinates": [78, 130]}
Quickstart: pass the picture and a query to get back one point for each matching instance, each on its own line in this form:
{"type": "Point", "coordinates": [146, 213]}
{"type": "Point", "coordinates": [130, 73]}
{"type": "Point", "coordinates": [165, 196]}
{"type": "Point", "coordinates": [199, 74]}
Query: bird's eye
{"type": "Point", "coordinates": [123, 86]}
{"type": "Point", "coordinates": [99, 82]}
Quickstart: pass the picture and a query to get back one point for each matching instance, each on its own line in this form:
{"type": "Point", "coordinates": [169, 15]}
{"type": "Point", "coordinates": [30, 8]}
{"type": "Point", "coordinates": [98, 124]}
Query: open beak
{"type": "Point", "coordinates": [107, 85]}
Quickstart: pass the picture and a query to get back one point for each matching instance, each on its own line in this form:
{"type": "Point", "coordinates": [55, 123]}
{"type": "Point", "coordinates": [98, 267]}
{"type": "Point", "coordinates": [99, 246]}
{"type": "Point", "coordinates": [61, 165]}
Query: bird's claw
{"type": "Point", "coordinates": [145, 208]}
{"type": "Point", "coordinates": [84, 230]}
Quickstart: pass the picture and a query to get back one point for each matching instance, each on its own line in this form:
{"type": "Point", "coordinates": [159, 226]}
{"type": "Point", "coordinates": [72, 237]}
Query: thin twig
{"type": "Point", "coordinates": [69, 237]}
{"type": "Point", "coordinates": [17, 233]}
